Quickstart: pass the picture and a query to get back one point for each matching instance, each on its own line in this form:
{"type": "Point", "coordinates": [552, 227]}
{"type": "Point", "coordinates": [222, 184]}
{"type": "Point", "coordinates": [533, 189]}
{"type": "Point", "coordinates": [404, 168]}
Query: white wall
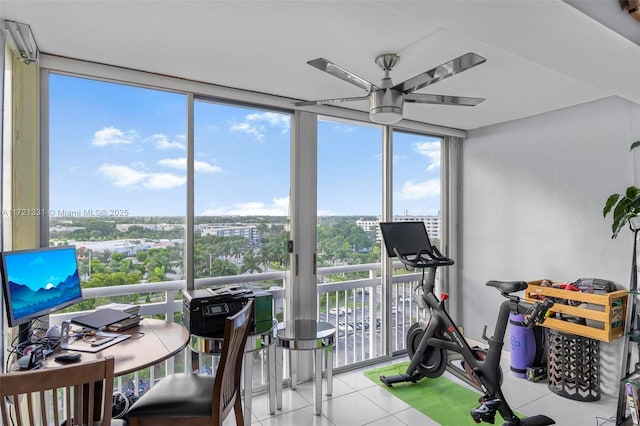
{"type": "Point", "coordinates": [533, 193]}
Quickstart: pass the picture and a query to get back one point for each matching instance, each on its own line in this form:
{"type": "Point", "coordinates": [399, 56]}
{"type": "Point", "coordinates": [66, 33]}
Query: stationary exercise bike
{"type": "Point", "coordinates": [430, 342]}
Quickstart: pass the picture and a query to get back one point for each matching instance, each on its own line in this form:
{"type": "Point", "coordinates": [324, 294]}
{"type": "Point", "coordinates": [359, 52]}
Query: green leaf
{"type": "Point", "coordinates": [632, 192]}
{"type": "Point", "coordinates": [619, 213]}
{"type": "Point", "coordinates": [624, 206]}
{"type": "Point", "coordinates": [624, 209]}
{"type": "Point", "coordinates": [611, 201]}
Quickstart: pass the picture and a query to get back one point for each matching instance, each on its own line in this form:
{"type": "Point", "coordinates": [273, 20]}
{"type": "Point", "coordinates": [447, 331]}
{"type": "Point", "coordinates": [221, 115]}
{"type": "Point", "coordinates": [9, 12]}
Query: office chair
{"type": "Point", "coordinates": [187, 399]}
{"type": "Point", "coordinates": [59, 395]}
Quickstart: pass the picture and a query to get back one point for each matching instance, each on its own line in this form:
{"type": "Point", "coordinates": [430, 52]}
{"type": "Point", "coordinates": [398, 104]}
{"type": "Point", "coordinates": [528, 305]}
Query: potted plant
{"type": "Point", "coordinates": [625, 207]}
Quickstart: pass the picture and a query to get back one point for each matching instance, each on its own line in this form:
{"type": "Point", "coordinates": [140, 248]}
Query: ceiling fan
{"type": "Point", "coordinates": [387, 100]}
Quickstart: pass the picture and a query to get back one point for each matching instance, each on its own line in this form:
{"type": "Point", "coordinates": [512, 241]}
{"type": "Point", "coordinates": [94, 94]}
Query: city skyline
{"type": "Point", "coordinates": [119, 148]}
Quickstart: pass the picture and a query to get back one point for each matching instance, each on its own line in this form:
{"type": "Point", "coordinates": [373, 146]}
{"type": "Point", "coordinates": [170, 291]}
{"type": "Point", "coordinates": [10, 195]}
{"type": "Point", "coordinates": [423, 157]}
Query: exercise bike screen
{"type": "Point", "coordinates": [406, 237]}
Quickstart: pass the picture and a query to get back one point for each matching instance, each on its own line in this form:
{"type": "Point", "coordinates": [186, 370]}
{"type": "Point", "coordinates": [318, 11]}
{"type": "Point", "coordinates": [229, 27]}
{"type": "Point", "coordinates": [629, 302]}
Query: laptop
{"type": "Point", "coordinates": [405, 238]}
{"type": "Point", "coordinates": [100, 318]}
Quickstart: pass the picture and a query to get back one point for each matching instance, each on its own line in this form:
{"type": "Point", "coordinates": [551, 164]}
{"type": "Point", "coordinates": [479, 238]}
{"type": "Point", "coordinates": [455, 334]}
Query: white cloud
{"type": "Point", "coordinates": [256, 131]}
{"type": "Point", "coordinates": [273, 118]}
{"type": "Point", "coordinates": [203, 166]}
{"type": "Point", "coordinates": [174, 163]}
{"type": "Point", "coordinates": [431, 150]}
{"type": "Point", "coordinates": [253, 124]}
{"type": "Point", "coordinates": [130, 178]}
{"type": "Point", "coordinates": [164, 181]}
{"type": "Point", "coordinates": [123, 176]}
{"type": "Point", "coordinates": [412, 190]}
{"type": "Point", "coordinates": [277, 207]}
{"type": "Point", "coordinates": [344, 129]}
{"type": "Point", "coordinates": [181, 164]}
{"type": "Point", "coordinates": [112, 136]}
{"type": "Point", "coordinates": [162, 142]}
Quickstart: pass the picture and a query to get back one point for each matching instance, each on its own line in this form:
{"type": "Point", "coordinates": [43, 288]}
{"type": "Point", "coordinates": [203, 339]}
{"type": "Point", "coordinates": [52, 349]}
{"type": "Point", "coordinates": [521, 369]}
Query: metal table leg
{"type": "Point", "coordinates": [329, 368]}
{"type": "Point", "coordinates": [317, 381]}
{"type": "Point", "coordinates": [279, 356]}
{"type": "Point", "coordinates": [271, 365]}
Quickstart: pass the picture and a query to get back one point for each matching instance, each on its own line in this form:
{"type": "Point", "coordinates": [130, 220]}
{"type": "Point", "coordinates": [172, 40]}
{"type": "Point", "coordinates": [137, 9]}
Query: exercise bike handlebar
{"type": "Point", "coordinates": [425, 258]}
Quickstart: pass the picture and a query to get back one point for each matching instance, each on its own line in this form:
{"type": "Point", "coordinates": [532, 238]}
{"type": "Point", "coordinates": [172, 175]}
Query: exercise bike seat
{"type": "Point", "coordinates": [508, 287]}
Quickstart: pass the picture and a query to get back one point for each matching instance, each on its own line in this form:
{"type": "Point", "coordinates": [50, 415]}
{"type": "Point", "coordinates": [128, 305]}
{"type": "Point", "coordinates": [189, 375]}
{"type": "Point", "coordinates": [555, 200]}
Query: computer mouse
{"type": "Point", "coordinates": [67, 357]}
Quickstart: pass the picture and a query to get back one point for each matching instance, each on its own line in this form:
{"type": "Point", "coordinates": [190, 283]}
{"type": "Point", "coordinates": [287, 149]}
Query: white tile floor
{"type": "Point", "coordinates": [358, 401]}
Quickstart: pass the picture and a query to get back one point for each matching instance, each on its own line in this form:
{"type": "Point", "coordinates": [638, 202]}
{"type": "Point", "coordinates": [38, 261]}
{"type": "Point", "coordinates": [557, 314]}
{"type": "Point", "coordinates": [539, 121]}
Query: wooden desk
{"type": "Point", "coordinates": [161, 340]}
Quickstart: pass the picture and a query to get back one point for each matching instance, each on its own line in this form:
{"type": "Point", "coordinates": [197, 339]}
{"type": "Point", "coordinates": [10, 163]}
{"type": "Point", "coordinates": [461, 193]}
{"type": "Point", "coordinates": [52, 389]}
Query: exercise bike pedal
{"type": "Point", "coordinates": [486, 411]}
{"type": "Point", "coordinates": [401, 378]}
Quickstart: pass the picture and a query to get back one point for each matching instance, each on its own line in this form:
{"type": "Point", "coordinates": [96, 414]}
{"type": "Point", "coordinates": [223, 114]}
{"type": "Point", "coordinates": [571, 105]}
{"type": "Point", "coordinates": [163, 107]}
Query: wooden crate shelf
{"type": "Point", "coordinates": [605, 313]}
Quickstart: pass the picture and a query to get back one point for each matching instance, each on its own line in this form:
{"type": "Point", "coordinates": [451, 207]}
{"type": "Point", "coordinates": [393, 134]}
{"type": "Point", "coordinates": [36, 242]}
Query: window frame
{"type": "Point", "coordinates": [225, 95]}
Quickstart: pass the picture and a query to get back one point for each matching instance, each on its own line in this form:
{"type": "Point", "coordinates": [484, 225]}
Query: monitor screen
{"type": "Point", "coordinates": [39, 281]}
{"type": "Point", "coordinates": [406, 237]}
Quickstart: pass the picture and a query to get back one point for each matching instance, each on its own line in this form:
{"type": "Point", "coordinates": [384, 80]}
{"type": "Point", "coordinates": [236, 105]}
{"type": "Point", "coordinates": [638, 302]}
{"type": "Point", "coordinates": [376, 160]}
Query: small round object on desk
{"type": "Point", "coordinates": [68, 357]}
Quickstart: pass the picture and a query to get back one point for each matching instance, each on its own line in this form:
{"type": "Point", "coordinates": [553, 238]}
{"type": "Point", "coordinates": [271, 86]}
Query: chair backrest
{"type": "Point", "coordinates": [226, 386]}
{"type": "Point", "coordinates": [51, 396]}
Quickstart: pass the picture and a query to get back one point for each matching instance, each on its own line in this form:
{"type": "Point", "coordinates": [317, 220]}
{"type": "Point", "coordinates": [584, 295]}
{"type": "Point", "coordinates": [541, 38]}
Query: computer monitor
{"type": "Point", "coordinates": [37, 282]}
{"type": "Point", "coordinates": [407, 238]}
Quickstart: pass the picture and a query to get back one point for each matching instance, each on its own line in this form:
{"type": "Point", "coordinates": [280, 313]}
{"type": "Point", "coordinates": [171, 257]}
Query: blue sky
{"type": "Point", "coordinates": [118, 147]}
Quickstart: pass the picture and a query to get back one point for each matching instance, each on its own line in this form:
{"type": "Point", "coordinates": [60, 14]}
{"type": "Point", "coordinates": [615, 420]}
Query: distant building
{"type": "Point", "coordinates": [432, 223]}
{"type": "Point", "coordinates": [250, 232]}
{"type": "Point", "coordinates": [125, 247]}
{"type": "Point", "coordinates": [124, 227]}
{"type": "Point", "coordinates": [65, 228]}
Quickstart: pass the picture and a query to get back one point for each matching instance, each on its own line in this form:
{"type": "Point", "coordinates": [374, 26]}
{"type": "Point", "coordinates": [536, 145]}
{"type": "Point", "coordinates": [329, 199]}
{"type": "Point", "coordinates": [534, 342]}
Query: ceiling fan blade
{"type": "Point", "coordinates": [331, 101]}
{"type": "Point", "coordinates": [337, 71]}
{"type": "Point", "coordinates": [442, 99]}
{"type": "Point", "coordinates": [448, 69]}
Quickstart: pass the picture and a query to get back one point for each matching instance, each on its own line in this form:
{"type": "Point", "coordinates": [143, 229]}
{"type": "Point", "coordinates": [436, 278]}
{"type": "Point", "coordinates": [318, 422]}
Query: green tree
{"type": "Point", "coordinates": [221, 268]}
{"type": "Point", "coordinates": [117, 257]}
{"type": "Point", "coordinates": [157, 274]}
{"type": "Point", "coordinates": [250, 263]}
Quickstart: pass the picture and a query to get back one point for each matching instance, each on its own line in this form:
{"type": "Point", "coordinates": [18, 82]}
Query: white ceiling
{"type": "Point", "coordinates": [541, 55]}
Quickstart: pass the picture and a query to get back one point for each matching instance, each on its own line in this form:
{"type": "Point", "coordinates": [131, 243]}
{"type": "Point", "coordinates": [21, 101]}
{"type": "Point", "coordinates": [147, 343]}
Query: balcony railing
{"type": "Point", "coordinates": [354, 306]}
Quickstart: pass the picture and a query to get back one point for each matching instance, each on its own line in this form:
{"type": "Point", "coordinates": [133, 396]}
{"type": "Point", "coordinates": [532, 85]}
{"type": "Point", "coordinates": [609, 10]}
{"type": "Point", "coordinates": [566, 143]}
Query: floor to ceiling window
{"type": "Point", "coordinates": [241, 199]}
{"type": "Point", "coordinates": [349, 192]}
{"type": "Point", "coordinates": [349, 208]}
{"type": "Point", "coordinates": [416, 197]}
{"type": "Point", "coordinates": [117, 180]}
{"type": "Point", "coordinates": [416, 180]}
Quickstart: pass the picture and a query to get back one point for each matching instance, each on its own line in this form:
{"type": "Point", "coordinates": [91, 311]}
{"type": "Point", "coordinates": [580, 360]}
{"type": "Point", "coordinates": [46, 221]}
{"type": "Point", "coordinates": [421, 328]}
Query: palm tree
{"type": "Point", "coordinates": [236, 245]}
{"type": "Point", "coordinates": [263, 228]}
{"type": "Point", "coordinates": [250, 263]}
{"type": "Point", "coordinates": [222, 268]}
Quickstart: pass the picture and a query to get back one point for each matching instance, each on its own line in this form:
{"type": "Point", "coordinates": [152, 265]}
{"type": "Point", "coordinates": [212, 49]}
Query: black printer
{"type": "Point", "coordinates": [204, 310]}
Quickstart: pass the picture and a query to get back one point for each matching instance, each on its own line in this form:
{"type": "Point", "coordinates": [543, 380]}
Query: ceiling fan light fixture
{"type": "Point", "coordinates": [385, 106]}
{"type": "Point", "coordinates": [385, 116]}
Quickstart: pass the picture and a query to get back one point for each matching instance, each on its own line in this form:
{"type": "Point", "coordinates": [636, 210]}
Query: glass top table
{"type": "Point", "coordinates": [306, 335]}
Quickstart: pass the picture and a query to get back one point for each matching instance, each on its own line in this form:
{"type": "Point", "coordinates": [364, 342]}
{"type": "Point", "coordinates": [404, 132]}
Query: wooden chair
{"type": "Point", "coordinates": [55, 396]}
{"type": "Point", "coordinates": [187, 399]}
